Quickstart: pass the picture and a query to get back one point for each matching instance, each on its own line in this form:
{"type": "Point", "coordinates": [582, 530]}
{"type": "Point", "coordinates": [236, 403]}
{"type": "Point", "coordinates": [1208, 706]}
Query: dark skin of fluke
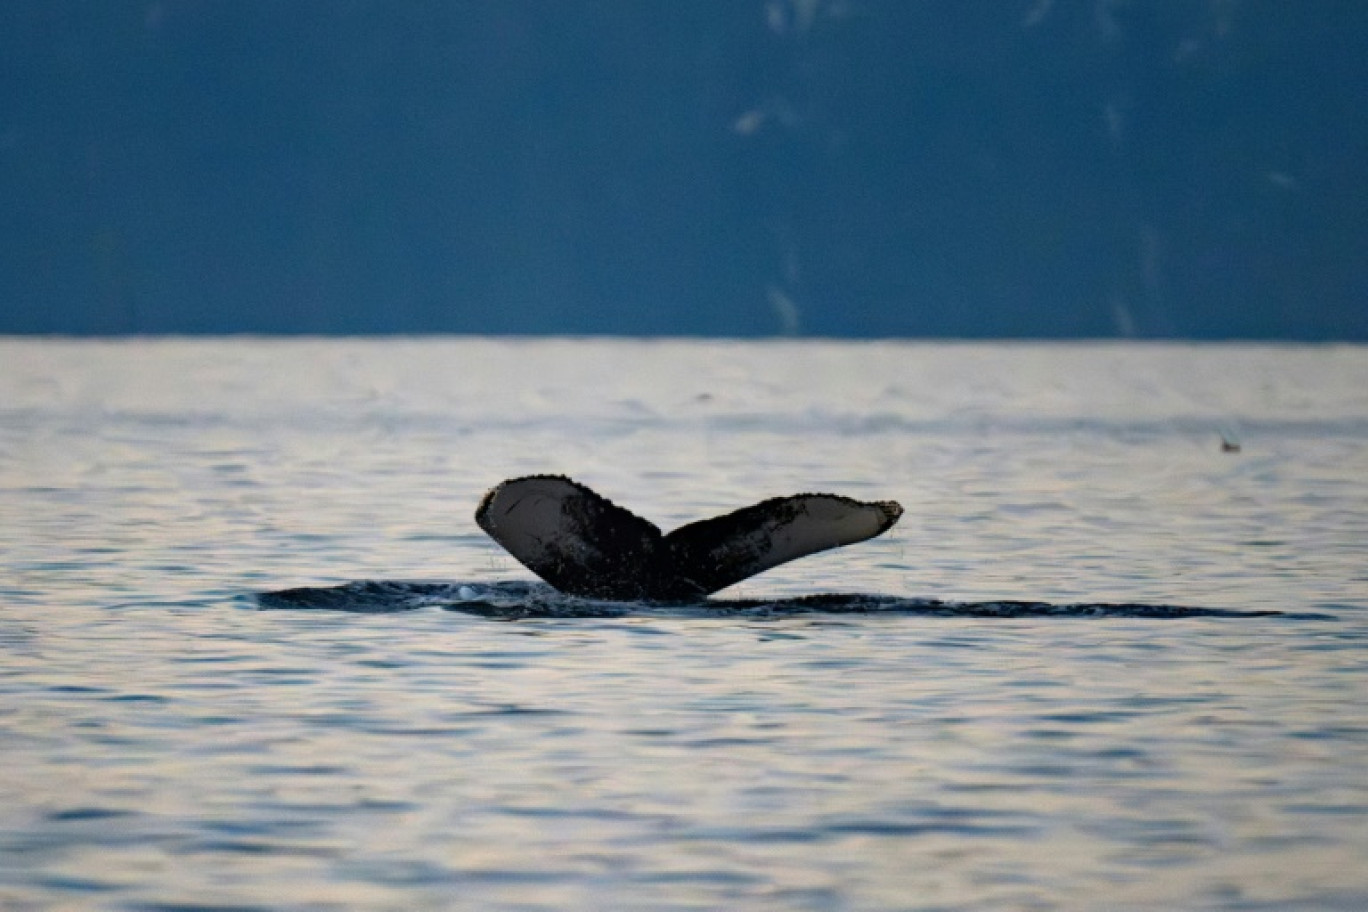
{"type": "Point", "coordinates": [583, 544]}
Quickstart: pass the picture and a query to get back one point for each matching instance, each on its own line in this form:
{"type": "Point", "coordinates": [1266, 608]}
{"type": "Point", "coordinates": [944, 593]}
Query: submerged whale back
{"type": "Point", "coordinates": [584, 544]}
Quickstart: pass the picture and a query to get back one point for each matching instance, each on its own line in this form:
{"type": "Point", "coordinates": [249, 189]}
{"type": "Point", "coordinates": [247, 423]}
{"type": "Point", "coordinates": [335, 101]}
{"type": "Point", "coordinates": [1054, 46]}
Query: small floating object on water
{"type": "Point", "coordinates": [584, 544]}
{"type": "Point", "coordinates": [1229, 443]}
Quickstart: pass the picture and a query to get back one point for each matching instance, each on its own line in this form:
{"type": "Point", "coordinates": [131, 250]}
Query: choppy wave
{"type": "Point", "coordinates": [509, 601]}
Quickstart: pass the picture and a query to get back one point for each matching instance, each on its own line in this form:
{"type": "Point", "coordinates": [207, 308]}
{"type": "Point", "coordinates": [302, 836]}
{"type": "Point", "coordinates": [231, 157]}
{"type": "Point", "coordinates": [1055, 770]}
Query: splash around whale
{"type": "Point", "coordinates": [600, 560]}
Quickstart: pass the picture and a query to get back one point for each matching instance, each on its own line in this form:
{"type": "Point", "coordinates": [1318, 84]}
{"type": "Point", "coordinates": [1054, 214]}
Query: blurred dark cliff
{"type": "Point", "coordinates": [968, 168]}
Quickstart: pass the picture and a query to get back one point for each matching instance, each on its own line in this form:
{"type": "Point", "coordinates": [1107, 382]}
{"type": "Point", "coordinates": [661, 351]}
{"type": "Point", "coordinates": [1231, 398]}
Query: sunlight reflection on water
{"type": "Point", "coordinates": [167, 744]}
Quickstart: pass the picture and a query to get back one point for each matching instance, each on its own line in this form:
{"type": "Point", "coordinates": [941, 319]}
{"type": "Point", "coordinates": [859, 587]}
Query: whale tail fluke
{"type": "Point", "coordinates": [584, 544]}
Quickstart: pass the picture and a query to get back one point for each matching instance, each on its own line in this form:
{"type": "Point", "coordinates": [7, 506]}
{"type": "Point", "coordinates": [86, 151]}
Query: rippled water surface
{"type": "Point", "coordinates": [169, 743]}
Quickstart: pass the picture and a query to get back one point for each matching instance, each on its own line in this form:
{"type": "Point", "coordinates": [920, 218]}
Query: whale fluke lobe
{"type": "Point", "coordinates": [715, 553]}
{"type": "Point", "coordinates": [574, 539]}
{"type": "Point", "coordinates": [584, 544]}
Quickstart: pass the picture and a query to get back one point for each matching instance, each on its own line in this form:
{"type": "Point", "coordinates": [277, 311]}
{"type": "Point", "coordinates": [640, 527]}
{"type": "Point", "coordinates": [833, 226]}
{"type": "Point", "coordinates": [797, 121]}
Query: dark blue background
{"type": "Point", "coordinates": [1189, 168]}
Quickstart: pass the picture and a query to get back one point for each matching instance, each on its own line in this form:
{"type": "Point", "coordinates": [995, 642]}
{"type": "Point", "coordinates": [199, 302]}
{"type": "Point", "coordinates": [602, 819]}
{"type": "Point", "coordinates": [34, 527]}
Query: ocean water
{"type": "Point", "coordinates": [170, 742]}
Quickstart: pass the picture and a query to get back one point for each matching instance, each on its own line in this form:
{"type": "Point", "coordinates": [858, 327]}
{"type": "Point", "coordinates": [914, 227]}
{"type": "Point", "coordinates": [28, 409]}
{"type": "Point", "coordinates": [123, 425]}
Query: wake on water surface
{"type": "Point", "coordinates": [602, 561]}
{"type": "Point", "coordinates": [515, 600]}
